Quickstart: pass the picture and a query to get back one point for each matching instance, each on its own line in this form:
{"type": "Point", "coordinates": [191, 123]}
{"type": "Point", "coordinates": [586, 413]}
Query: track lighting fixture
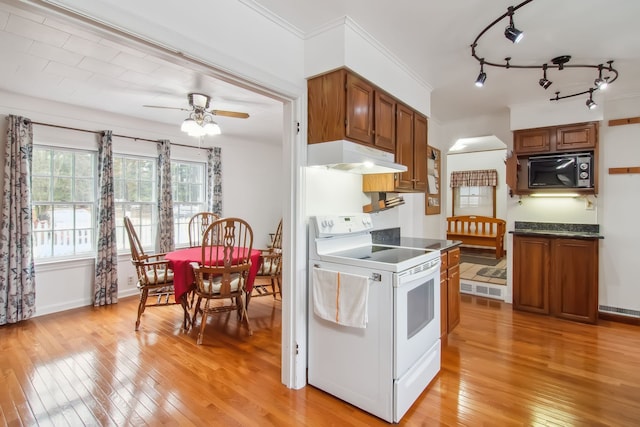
{"type": "Point", "coordinates": [482, 76]}
{"type": "Point", "coordinates": [559, 63]}
{"type": "Point", "coordinates": [591, 104]}
{"type": "Point", "coordinates": [511, 32]}
{"type": "Point", "coordinates": [600, 82]}
{"type": "Point", "coordinates": [543, 81]}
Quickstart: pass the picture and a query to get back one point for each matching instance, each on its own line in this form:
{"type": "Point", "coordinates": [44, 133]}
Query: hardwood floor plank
{"type": "Point", "coordinates": [500, 367]}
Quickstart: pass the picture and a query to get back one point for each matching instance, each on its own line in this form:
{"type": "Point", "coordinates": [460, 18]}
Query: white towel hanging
{"type": "Point", "coordinates": [341, 298]}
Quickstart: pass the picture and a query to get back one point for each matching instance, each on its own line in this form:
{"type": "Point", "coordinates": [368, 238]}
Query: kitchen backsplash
{"type": "Point", "coordinates": [390, 236]}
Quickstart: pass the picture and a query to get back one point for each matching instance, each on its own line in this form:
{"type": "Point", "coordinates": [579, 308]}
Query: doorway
{"type": "Point", "coordinates": [480, 272]}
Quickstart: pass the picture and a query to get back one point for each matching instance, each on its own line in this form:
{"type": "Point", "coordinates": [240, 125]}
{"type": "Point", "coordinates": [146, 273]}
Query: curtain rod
{"type": "Point", "coordinates": [100, 132]}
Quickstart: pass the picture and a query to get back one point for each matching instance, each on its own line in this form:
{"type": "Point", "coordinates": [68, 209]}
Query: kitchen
{"type": "Point", "coordinates": [617, 249]}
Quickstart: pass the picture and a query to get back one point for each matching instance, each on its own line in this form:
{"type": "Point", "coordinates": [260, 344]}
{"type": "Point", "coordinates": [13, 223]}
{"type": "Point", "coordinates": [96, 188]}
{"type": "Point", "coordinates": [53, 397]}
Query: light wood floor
{"type": "Point", "coordinates": [500, 368]}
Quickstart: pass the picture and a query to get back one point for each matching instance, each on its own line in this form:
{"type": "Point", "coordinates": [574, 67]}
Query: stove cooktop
{"type": "Point", "coordinates": [389, 258]}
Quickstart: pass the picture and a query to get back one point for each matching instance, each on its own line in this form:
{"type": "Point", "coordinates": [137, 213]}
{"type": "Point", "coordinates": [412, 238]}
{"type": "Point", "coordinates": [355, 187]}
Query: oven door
{"type": "Point", "coordinates": [416, 315]}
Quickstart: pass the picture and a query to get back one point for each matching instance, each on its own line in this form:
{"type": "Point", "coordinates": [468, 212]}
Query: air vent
{"type": "Point", "coordinates": [618, 310]}
{"type": "Point", "coordinates": [483, 289]}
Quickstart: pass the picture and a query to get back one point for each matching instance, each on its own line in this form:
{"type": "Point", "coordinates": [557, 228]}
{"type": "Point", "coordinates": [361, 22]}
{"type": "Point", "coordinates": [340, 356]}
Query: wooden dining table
{"type": "Point", "coordinates": [183, 278]}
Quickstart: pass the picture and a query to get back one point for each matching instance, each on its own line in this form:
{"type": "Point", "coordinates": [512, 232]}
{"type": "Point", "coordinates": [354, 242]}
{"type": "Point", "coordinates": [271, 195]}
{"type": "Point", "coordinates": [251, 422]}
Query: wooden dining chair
{"type": "Point", "coordinates": [155, 279]}
{"type": "Point", "coordinates": [198, 225]}
{"type": "Point", "coordinates": [269, 278]}
{"type": "Point", "coordinates": [223, 271]}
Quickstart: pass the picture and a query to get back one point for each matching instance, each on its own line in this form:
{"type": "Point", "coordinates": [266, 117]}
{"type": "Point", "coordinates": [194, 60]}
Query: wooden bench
{"type": "Point", "coordinates": [478, 231]}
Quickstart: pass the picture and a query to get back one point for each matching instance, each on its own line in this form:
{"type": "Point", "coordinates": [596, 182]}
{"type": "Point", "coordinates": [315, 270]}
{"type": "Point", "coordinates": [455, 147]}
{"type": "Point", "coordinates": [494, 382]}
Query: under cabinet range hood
{"type": "Point", "coordinates": [352, 157]}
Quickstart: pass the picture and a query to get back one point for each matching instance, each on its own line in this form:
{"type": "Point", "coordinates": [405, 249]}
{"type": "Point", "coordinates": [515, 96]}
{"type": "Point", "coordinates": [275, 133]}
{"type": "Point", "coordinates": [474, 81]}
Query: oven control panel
{"type": "Point", "coordinates": [336, 225]}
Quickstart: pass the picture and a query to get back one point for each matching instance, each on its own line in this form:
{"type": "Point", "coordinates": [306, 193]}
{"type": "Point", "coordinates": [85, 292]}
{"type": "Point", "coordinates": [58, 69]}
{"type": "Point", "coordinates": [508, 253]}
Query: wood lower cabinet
{"type": "Point", "coordinates": [556, 276]}
{"type": "Point", "coordinates": [449, 291]}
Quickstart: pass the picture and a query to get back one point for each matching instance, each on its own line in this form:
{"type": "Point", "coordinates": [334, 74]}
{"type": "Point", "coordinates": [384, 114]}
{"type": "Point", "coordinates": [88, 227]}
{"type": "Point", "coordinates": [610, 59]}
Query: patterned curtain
{"type": "Point", "coordinates": [477, 178]}
{"type": "Point", "coordinates": [164, 241]}
{"type": "Point", "coordinates": [214, 180]}
{"type": "Point", "coordinates": [17, 272]}
{"type": "Point", "coordinates": [105, 289]}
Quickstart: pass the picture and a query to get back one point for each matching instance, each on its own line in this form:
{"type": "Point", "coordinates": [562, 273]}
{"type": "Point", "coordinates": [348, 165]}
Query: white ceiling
{"type": "Point", "coordinates": [48, 58]}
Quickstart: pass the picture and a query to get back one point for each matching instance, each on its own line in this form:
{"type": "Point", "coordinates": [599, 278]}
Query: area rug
{"type": "Point", "coordinates": [475, 259]}
{"type": "Point", "coordinates": [493, 273]}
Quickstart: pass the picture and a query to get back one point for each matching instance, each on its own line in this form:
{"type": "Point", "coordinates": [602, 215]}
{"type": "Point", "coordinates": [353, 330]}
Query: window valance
{"type": "Point", "coordinates": [475, 178]}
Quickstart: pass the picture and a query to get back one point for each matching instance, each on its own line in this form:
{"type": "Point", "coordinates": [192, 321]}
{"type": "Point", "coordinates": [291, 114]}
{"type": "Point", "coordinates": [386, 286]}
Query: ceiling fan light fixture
{"type": "Point", "coordinates": [188, 124]}
{"type": "Point", "coordinates": [212, 128]}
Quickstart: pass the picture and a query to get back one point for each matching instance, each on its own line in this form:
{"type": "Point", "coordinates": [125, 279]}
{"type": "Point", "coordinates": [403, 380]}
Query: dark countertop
{"type": "Point", "coordinates": [549, 229]}
{"type": "Point", "coordinates": [417, 242]}
{"type": "Point", "coordinates": [391, 236]}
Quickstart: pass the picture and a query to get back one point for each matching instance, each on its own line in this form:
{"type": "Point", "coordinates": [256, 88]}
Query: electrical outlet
{"type": "Point", "coordinates": [588, 204]}
{"type": "Point", "coordinates": [130, 281]}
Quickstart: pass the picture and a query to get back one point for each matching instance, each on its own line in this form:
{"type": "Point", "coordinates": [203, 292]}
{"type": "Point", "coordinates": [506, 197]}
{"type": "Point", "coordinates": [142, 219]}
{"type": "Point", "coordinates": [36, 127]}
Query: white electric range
{"type": "Point", "coordinates": [384, 367]}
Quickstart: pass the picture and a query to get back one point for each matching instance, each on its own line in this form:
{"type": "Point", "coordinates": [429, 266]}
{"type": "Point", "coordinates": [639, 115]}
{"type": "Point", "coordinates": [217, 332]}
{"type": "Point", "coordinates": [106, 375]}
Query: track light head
{"type": "Point", "coordinates": [544, 82]}
{"type": "Point", "coordinates": [513, 34]}
{"type": "Point", "coordinates": [482, 76]}
{"type": "Point", "coordinates": [591, 104]}
{"type": "Point", "coordinates": [600, 82]}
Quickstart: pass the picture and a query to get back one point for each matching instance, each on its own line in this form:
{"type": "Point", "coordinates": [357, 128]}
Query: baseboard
{"type": "Point", "coordinates": [482, 289]}
{"type": "Point", "coordinates": [603, 315]}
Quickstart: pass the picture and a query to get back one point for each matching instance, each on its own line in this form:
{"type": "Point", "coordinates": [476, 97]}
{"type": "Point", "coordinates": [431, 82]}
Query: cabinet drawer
{"type": "Point", "coordinates": [453, 257]}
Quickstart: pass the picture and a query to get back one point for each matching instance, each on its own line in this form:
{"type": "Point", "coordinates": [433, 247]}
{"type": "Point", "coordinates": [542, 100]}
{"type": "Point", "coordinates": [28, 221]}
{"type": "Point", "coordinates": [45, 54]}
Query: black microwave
{"type": "Point", "coordinates": [561, 171]}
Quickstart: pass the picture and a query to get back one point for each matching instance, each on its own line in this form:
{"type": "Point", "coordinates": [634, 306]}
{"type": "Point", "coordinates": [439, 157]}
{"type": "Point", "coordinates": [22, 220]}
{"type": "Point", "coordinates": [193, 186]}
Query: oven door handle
{"type": "Point", "coordinates": [374, 277]}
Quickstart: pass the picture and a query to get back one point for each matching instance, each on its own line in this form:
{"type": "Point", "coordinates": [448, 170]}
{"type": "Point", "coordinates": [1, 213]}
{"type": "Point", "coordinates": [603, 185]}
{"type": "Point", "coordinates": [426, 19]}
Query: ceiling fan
{"type": "Point", "coordinates": [200, 121]}
{"type": "Point", "coordinates": [200, 103]}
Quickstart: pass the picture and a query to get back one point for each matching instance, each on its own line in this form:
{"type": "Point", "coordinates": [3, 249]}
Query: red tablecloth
{"type": "Point", "coordinates": [180, 262]}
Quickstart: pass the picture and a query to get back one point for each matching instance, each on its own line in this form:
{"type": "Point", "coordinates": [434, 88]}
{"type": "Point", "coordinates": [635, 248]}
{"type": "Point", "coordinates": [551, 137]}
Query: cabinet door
{"type": "Point", "coordinates": [576, 137]}
{"type": "Point", "coordinates": [531, 141]}
{"type": "Point", "coordinates": [531, 274]}
{"type": "Point", "coordinates": [444, 317]}
{"type": "Point", "coordinates": [404, 146]}
{"type": "Point", "coordinates": [420, 131]}
{"type": "Point", "coordinates": [385, 122]}
{"type": "Point", "coordinates": [574, 286]}
{"type": "Point", "coordinates": [453, 297]}
{"type": "Point", "coordinates": [326, 107]}
{"type": "Point", "coordinates": [360, 103]}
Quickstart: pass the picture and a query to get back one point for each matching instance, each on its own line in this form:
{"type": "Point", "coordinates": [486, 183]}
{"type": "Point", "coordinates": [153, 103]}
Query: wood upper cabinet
{"type": "Point", "coordinates": [557, 276]}
{"type": "Point", "coordinates": [404, 146]}
{"type": "Point", "coordinates": [385, 122]}
{"type": "Point", "coordinates": [576, 137]}
{"type": "Point", "coordinates": [532, 141]}
{"type": "Point", "coordinates": [342, 105]}
{"type": "Point", "coordinates": [571, 138]}
{"type": "Point", "coordinates": [411, 149]}
{"type": "Point", "coordinates": [420, 140]}
{"type": "Point", "coordinates": [360, 104]}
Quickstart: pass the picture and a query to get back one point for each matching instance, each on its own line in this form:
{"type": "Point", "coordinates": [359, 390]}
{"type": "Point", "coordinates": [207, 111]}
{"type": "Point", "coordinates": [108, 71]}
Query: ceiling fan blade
{"type": "Point", "coordinates": [169, 108]}
{"type": "Point", "coordinates": [229, 114]}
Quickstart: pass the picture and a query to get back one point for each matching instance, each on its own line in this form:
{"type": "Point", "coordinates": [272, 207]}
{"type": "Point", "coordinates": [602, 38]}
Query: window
{"type": "Point", "coordinates": [63, 200]}
{"type": "Point", "coordinates": [474, 200]}
{"type": "Point", "coordinates": [188, 187]}
{"type": "Point", "coordinates": [135, 191]}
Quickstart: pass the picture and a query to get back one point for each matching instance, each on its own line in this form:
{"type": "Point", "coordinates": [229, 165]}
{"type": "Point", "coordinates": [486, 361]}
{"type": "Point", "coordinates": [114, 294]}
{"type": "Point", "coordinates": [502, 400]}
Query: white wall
{"type": "Point", "coordinates": [618, 206]}
{"type": "Point", "coordinates": [246, 192]}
